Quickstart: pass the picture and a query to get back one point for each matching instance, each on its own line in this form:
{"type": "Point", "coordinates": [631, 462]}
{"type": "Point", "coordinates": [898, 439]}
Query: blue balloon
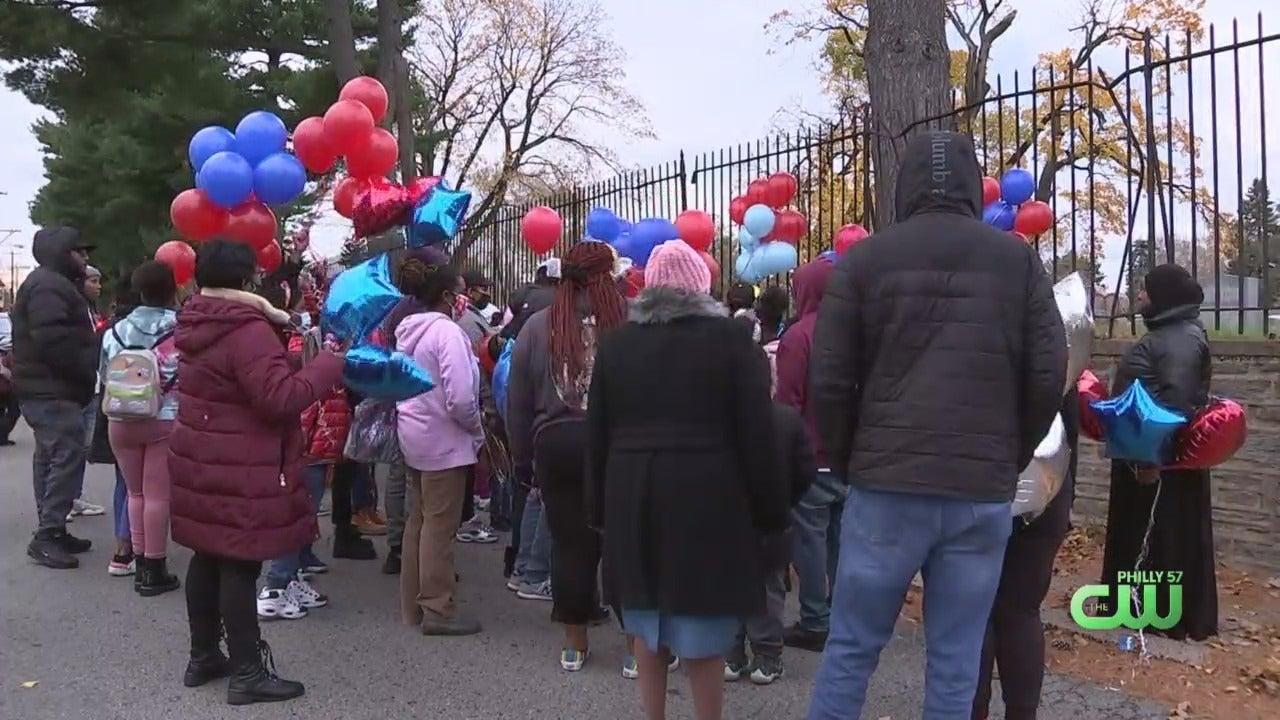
{"type": "Point", "coordinates": [279, 179]}
{"type": "Point", "coordinates": [259, 135]}
{"type": "Point", "coordinates": [645, 236]}
{"type": "Point", "coordinates": [383, 375]}
{"type": "Point", "coordinates": [602, 224]}
{"type": "Point", "coordinates": [743, 270]}
{"type": "Point", "coordinates": [359, 299]}
{"type": "Point", "coordinates": [226, 178]}
{"type": "Point", "coordinates": [625, 225]}
{"type": "Point", "coordinates": [207, 142]}
{"type": "Point", "coordinates": [759, 220]}
{"type": "Point", "coordinates": [774, 258]}
{"type": "Point", "coordinates": [438, 216]}
{"type": "Point", "coordinates": [1000, 215]}
{"type": "Point", "coordinates": [746, 241]}
{"type": "Point", "coordinates": [829, 255]}
{"type": "Point", "coordinates": [1137, 428]}
{"type": "Point", "coordinates": [502, 375]}
{"type": "Point", "coordinates": [1017, 186]}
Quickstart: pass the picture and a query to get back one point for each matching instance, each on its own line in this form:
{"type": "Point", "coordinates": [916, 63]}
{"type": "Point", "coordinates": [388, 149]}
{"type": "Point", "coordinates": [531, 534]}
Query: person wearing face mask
{"type": "Point", "coordinates": [55, 371]}
{"type": "Point", "coordinates": [474, 308]}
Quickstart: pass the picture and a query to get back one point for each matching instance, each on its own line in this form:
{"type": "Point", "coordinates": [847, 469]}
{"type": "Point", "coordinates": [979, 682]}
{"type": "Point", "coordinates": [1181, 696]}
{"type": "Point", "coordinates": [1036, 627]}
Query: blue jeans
{"type": "Point", "coordinates": [284, 569]}
{"type": "Point", "coordinates": [120, 505]}
{"type": "Point", "coordinates": [958, 547]}
{"type": "Point", "coordinates": [816, 548]}
{"type": "Point", "coordinates": [364, 494]}
{"type": "Point", "coordinates": [533, 562]}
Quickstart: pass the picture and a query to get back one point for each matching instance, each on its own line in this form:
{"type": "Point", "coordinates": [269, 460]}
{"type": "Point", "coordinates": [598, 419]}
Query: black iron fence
{"type": "Point", "coordinates": [1161, 157]}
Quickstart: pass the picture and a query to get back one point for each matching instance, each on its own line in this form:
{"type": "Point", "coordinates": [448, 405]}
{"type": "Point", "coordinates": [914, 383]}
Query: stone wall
{"type": "Point", "coordinates": [1246, 490]}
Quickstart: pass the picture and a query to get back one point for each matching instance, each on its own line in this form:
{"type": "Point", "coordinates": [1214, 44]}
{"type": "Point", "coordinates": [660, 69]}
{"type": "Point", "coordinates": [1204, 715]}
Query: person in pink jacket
{"type": "Point", "coordinates": [440, 434]}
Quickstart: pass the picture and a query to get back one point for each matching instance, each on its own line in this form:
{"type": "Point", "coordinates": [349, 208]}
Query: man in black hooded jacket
{"type": "Point", "coordinates": [938, 363]}
{"type": "Point", "coordinates": [55, 371]}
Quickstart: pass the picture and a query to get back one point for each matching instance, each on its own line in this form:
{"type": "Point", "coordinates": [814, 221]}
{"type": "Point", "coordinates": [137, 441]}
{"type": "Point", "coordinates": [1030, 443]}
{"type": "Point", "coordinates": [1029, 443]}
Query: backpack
{"type": "Point", "coordinates": [132, 389]}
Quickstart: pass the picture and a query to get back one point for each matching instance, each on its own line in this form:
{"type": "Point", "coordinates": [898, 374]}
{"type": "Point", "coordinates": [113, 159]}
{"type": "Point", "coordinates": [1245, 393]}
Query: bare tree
{"type": "Point", "coordinates": [393, 71]}
{"type": "Point", "coordinates": [908, 79]}
{"type": "Point", "coordinates": [342, 40]}
{"type": "Point", "coordinates": [514, 90]}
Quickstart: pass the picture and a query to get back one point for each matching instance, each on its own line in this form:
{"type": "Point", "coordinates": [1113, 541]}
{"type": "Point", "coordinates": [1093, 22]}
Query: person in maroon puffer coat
{"type": "Point", "coordinates": [235, 455]}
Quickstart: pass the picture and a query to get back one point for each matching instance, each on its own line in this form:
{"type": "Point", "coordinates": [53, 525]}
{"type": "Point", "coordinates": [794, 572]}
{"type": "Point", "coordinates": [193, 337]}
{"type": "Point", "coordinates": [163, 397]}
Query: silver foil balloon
{"type": "Point", "coordinates": [1076, 308]}
{"type": "Point", "coordinates": [1043, 478]}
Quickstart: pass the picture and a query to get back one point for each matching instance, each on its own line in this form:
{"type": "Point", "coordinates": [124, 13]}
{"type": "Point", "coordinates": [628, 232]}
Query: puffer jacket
{"type": "Point", "coordinates": [325, 423]}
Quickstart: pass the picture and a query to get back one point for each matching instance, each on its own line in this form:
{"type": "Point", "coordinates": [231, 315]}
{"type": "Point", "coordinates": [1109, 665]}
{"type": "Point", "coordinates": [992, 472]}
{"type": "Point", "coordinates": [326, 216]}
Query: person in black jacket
{"type": "Point", "coordinates": [1175, 365]}
{"type": "Point", "coordinates": [533, 297]}
{"type": "Point", "coordinates": [797, 467]}
{"type": "Point", "coordinates": [938, 364]}
{"type": "Point", "coordinates": [55, 371]}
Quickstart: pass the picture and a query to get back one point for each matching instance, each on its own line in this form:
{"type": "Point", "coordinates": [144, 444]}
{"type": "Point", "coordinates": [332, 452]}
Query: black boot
{"type": "Point", "coordinates": [255, 681]}
{"type": "Point", "coordinates": [207, 661]}
{"type": "Point", "coordinates": [48, 549]}
{"type": "Point", "coordinates": [392, 564]}
{"type": "Point", "coordinates": [156, 578]}
{"type": "Point", "coordinates": [349, 545]}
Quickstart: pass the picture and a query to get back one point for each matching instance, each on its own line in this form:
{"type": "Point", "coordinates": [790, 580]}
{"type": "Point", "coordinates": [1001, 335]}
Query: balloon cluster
{"type": "Point", "coordinates": [1135, 427]}
{"type": "Point", "coordinates": [769, 229]}
{"type": "Point", "coordinates": [1008, 205]}
{"type": "Point", "coordinates": [237, 177]}
{"type": "Point", "coordinates": [542, 227]}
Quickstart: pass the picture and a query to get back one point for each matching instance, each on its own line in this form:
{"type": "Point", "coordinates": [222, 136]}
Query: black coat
{"type": "Point", "coordinates": [684, 476]}
{"type": "Point", "coordinates": [1174, 363]}
{"type": "Point", "coordinates": [55, 351]}
{"type": "Point", "coordinates": [939, 356]}
{"type": "Point", "coordinates": [524, 303]}
{"type": "Point", "coordinates": [799, 462]}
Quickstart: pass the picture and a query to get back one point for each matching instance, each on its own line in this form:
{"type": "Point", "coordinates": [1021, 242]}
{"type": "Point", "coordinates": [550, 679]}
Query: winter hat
{"type": "Point", "coordinates": [675, 264]}
{"type": "Point", "coordinates": [91, 271]}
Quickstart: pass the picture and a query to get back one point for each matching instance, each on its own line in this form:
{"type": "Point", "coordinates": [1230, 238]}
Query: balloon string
{"type": "Point", "coordinates": [1144, 548]}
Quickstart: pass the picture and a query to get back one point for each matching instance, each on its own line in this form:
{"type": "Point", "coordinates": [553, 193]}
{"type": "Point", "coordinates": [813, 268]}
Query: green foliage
{"type": "Point", "coordinates": [128, 81]}
{"type": "Point", "coordinates": [1258, 233]}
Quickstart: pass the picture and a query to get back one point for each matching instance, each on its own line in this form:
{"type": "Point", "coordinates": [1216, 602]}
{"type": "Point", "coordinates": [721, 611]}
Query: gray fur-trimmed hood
{"type": "Point", "coordinates": [658, 305]}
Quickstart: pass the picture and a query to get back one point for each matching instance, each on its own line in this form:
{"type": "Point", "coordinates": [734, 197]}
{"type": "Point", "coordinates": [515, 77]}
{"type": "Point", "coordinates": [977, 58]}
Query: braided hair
{"type": "Point", "coordinates": [426, 282]}
{"type": "Point", "coordinates": [586, 271]}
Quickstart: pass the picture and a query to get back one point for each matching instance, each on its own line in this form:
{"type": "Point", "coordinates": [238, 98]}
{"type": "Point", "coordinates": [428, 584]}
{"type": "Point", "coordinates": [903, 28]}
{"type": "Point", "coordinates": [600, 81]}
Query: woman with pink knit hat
{"type": "Point", "coordinates": [682, 477]}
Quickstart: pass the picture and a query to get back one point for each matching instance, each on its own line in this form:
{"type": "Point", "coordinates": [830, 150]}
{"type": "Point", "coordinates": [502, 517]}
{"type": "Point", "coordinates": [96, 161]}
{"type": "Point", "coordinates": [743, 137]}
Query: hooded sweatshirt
{"type": "Point", "coordinates": [792, 360]}
{"type": "Point", "coordinates": [441, 429]}
{"type": "Point", "coordinates": [149, 328]}
{"type": "Point", "coordinates": [939, 356]}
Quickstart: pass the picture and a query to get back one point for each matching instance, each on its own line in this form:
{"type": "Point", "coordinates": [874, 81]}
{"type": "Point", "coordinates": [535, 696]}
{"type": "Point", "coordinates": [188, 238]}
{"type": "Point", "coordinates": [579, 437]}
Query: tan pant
{"type": "Point", "coordinates": [427, 581]}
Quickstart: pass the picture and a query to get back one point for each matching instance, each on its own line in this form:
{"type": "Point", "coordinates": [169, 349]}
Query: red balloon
{"type": "Point", "coordinates": [779, 188]}
{"type": "Point", "coordinates": [541, 228]}
{"type": "Point", "coordinates": [1090, 390]}
{"type": "Point", "coordinates": [990, 190]}
{"type": "Point", "coordinates": [348, 126]}
{"type": "Point", "coordinates": [252, 224]}
{"type": "Point", "coordinates": [377, 158]}
{"type": "Point", "coordinates": [368, 92]}
{"type": "Point", "coordinates": [738, 209]}
{"type": "Point", "coordinates": [848, 236]}
{"type": "Point", "coordinates": [269, 257]}
{"type": "Point", "coordinates": [311, 147]}
{"type": "Point", "coordinates": [346, 193]}
{"type": "Point", "coordinates": [713, 266]}
{"type": "Point", "coordinates": [196, 216]}
{"type": "Point", "coordinates": [757, 190]}
{"type": "Point", "coordinates": [790, 227]}
{"type": "Point", "coordinates": [421, 186]}
{"type": "Point", "coordinates": [180, 257]}
{"type": "Point", "coordinates": [696, 228]}
{"type": "Point", "coordinates": [632, 281]}
{"type": "Point", "coordinates": [381, 206]}
{"type": "Point", "coordinates": [1034, 217]}
{"type": "Point", "coordinates": [1215, 434]}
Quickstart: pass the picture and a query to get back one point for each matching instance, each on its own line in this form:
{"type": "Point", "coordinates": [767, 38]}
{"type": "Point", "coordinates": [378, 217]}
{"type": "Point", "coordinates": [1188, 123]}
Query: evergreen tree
{"type": "Point", "coordinates": [1257, 234]}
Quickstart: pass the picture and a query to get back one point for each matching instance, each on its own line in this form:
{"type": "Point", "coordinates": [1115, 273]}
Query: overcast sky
{"type": "Point", "coordinates": [704, 72]}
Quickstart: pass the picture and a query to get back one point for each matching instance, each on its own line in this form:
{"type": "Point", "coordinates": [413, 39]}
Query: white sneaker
{"type": "Point", "coordinates": [279, 604]}
{"type": "Point", "coordinates": [88, 509]}
{"type": "Point", "coordinates": [305, 595]}
{"type": "Point", "coordinates": [482, 504]}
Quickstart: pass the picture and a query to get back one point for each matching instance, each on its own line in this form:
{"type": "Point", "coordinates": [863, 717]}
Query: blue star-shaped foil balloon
{"type": "Point", "coordinates": [1137, 427]}
{"type": "Point", "coordinates": [378, 373]}
{"type": "Point", "coordinates": [359, 299]}
{"type": "Point", "coordinates": [437, 217]}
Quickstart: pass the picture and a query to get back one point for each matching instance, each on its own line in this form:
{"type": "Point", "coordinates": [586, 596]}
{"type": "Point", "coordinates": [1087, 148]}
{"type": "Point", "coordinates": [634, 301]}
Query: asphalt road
{"type": "Point", "coordinates": [97, 651]}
